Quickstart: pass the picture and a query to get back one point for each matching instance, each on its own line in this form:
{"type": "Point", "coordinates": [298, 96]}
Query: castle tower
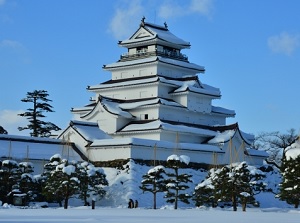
{"type": "Point", "coordinates": [155, 97]}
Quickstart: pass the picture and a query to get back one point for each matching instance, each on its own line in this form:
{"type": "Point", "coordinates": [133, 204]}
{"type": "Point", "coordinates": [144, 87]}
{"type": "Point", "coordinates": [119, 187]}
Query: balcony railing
{"type": "Point", "coordinates": [145, 53]}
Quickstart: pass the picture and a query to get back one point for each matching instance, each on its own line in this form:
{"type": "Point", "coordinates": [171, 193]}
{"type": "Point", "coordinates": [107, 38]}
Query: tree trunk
{"type": "Point", "coordinates": [66, 203]}
{"type": "Point", "coordinates": [244, 204]}
{"type": "Point", "coordinates": [176, 190]}
{"type": "Point", "coordinates": [154, 200]}
{"type": "Point", "coordinates": [234, 203]}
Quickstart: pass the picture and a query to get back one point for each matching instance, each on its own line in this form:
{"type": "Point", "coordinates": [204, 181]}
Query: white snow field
{"type": "Point", "coordinates": [124, 215]}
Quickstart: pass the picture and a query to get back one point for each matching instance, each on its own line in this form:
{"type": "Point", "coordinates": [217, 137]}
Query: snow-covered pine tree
{"type": "Point", "coordinates": [63, 181]}
{"type": "Point", "coordinates": [237, 183]}
{"type": "Point", "coordinates": [92, 180]}
{"type": "Point", "coordinates": [27, 181]}
{"type": "Point", "coordinates": [9, 176]}
{"type": "Point", "coordinates": [290, 185]}
{"type": "Point", "coordinates": [205, 192]}
{"type": "Point", "coordinates": [39, 100]}
{"type": "Point", "coordinates": [154, 182]}
{"type": "Point", "coordinates": [176, 183]}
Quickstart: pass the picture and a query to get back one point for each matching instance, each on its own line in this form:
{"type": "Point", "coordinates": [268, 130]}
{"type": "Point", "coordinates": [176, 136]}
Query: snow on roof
{"type": "Point", "coordinates": [182, 84]}
{"type": "Point", "coordinates": [158, 32]}
{"type": "Point", "coordinates": [192, 85]}
{"type": "Point", "coordinates": [155, 59]}
{"type": "Point", "coordinates": [222, 137]}
{"type": "Point", "coordinates": [222, 110]}
{"type": "Point", "coordinates": [225, 134]}
{"type": "Point", "coordinates": [136, 104]}
{"type": "Point", "coordinates": [255, 152]}
{"type": "Point", "coordinates": [114, 108]}
{"type": "Point", "coordinates": [158, 124]}
{"type": "Point", "coordinates": [157, 143]}
{"type": "Point", "coordinates": [293, 151]}
{"type": "Point", "coordinates": [125, 83]}
{"type": "Point", "coordinates": [89, 130]}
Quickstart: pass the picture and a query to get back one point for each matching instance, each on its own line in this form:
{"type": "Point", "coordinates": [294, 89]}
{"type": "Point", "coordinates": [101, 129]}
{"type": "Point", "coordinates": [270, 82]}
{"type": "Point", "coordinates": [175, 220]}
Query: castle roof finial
{"type": "Point", "coordinates": [166, 25]}
{"type": "Point", "coordinates": [143, 21]}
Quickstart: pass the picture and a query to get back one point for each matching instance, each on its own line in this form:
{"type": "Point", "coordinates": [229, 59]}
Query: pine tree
{"type": "Point", "coordinates": [2, 130]}
{"type": "Point", "coordinates": [235, 183]}
{"type": "Point", "coordinates": [92, 180]}
{"type": "Point", "coordinates": [153, 182]}
{"type": "Point", "coordinates": [27, 181]}
{"type": "Point", "coordinates": [205, 192]}
{"type": "Point", "coordinates": [176, 182]}
{"type": "Point", "coordinates": [39, 128]}
{"type": "Point", "coordinates": [45, 180]}
{"type": "Point", "coordinates": [63, 181]}
{"type": "Point", "coordinates": [290, 185]}
{"type": "Point", "coordinates": [9, 176]}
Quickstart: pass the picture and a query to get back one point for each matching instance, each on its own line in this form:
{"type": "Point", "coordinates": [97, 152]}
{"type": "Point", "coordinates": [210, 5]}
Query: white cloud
{"type": "Point", "coordinates": [11, 44]}
{"type": "Point", "coordinates": [170, 9]}
{"type": "Point", "coordinates": [10, 121]}
{"type": "Point", "coordinates": [284, 43]}
{"type": "Point", "coordinates": [15, 49]}
{"type": "Point", "coordinates": [203, 7]}
{"type": "Point", "coordinates": [2, 2]}
{"type": "Point", "coordinates": [125, 18]}
{"type": "Point", "coordinates": [129, 12]}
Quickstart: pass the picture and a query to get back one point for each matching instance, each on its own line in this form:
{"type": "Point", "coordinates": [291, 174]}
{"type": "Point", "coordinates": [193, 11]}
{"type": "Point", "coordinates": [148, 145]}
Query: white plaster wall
{"type": "Point", "coordinates": [132, 92]}
{"type": "Point", "coordinates": [169, 70]}
{"type": "Point", "coordinates": [134, 71]}
{"type": "Point", "coordinates": [198, 103]}
{"type": "Point", "coordinates": [110, 153]}
{"type": "Point", "coordinates": [148, 153]}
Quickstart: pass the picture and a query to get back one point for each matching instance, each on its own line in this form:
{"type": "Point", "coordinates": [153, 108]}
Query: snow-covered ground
{"type": "Point", "coordinates": [124, 185]}
{"type": "Point", "coordinates": [141, 215]}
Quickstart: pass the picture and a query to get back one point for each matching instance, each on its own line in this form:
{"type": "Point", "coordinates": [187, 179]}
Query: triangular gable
{"type": "Point", "coordinates": [142, 33]}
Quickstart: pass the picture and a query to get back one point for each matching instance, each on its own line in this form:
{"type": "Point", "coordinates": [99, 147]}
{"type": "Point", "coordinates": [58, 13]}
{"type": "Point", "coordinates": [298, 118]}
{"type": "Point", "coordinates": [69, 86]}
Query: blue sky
{"type": "Point", "coordinates": [250, 49]}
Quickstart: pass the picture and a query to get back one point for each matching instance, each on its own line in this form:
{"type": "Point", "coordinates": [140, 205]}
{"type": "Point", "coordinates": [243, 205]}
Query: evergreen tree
{"type": "Point", "coordinates": [63, 181]}
{"type": "Point", "coordinates": [236, 183]}
{"type": "Point", "coordinates": [49, 169]}
{"type": "Point", "coordinates": [27, 181]}
{"type": "Point", "coordinates": [176, 183]}
{"type": "Point", "coordinates": [16, 178]}
{"type": "Point", "coordinates": [154, 182]}
{"type": "Point", "coordinates": [9, 176]}
{"type": "Point", "coordinates": [39, 128]}
{"type": "Point", "coordinates": [92, 180]}
{"type": "Point", "coordinates": [2, 130]}
{"type": "Point", "coordinates": [290, 185]}
{"type": "Point", "coordinates": [205, 192]}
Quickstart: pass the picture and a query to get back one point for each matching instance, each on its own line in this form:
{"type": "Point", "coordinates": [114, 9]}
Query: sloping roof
{"type": "Point", "coordinates": [154, 59]}
{"type": "Point", "coordinates": [148, 31]}
{"type": "Point", "coordinates": [90, 131]}
{"type": "Point", "coordinates": [226, 133]}
{"type": "Point", "coordinates": [185, 84]}
{"type": "Point", "coordinates": [222, 110]}
{"type": "Point", "coordinates": [164, 125]}
{"type": "Point", "coordinates": [157, 143]}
